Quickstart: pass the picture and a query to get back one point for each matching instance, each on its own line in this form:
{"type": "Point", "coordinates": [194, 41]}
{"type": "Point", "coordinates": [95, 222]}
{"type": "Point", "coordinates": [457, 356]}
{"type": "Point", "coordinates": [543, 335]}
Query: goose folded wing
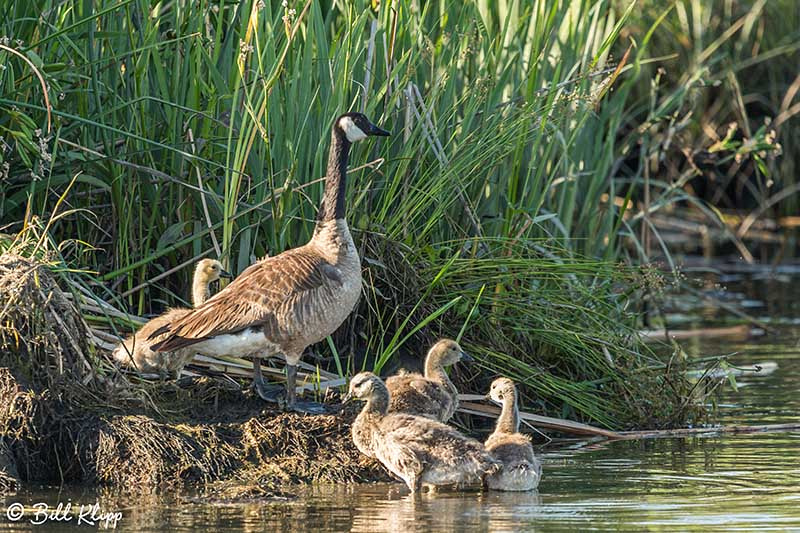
{"type": "Point", "coordinates": [263, 296]}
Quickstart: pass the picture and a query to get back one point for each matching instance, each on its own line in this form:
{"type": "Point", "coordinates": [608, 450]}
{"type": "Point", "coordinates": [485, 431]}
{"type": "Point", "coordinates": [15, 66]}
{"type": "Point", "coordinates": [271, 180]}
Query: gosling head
{"type": "Point", "coordinates": [448, 352]}
{"type": "Point", "coordinates": [210, 270]}
{"type": "Point", "coordinates": [357, 127]}
{"type": "Point", "coordinates": [502, 389]}
{"type": "Point", "coordinates": [363, 386]}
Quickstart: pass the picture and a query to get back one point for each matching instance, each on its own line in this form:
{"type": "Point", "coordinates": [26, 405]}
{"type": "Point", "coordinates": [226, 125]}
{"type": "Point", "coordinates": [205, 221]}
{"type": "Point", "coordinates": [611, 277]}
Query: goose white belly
{"type": "Point", "coordinates": [246, 342]}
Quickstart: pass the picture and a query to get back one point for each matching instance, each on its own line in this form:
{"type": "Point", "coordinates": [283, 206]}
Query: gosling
{"type": "Point", "coordinates": [136, 350]}
{"type": "Point", "coordinates": [433, 395]}
{"type": "Point", "coordinates": [418, 450]}
{"type": "Point", "coordinates": [521, 471]}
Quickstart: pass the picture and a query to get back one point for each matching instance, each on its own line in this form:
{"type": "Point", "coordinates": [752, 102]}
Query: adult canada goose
{"type": "Point", "coordinates": [418, 450]}
{"type": "Point", "coordinates": [285, 303]}
{"type": "Point", "coordinates": [432, 395]}
{"type": "Point", "coordinates": [136, 350]}
{"type": "Point", "coordinates": [521, 470]}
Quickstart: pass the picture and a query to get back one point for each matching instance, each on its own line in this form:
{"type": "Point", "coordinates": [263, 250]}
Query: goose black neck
{"type": "Point", "coordinates": [333, 207]}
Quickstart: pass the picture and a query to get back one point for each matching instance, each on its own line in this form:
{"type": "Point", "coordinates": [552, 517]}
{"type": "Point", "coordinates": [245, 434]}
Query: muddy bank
{"type": "Point", "coordinates": [241, 450]}
{"type": "Point", "coordinates": [68, 416]}
{"type": "Point", "coordinates": [9, 481]}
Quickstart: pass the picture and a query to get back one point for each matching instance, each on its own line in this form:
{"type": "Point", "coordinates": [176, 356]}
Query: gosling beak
{"type": "Point", "coordinates": [489, 399]}
{"type": "Point", "coordinates": [467, 358]}
{"type": "Point", "coordinates": [225, 274]}
{"type": "Point", "coordinates": [375, 130]}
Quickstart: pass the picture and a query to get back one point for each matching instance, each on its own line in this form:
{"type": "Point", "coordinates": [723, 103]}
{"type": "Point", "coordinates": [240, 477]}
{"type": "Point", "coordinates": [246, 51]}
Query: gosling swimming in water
{"type": "Point", "coordinates": [418, 450]}
{"type": "Point", "coordinates": [136, 352]}
{"type": "Point", "coordinates": [433, 395]}
{"type": "Point", "coordinates": [521, 471]}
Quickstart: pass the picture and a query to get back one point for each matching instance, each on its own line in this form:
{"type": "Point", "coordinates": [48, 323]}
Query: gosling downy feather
{"type": "Point", "coordinates": [521, 471]}
{"type": "Point", "coordinates": [136, 351]}
{"type": "Point", "coordinates": [418, 450]}
{"type": "Point", "coordinates": [432, 395]}
{"type": "Point", "coordinates": [287, 302]}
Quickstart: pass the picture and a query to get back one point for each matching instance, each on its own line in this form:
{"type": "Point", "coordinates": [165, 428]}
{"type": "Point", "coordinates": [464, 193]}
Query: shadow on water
{"type": "Point", "coordinates": [724, 483]}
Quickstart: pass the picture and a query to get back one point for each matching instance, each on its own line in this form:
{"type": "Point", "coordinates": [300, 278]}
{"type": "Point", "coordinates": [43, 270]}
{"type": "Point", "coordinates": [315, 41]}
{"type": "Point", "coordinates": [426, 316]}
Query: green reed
{"type": "Point", "coordinates": [195, 127]}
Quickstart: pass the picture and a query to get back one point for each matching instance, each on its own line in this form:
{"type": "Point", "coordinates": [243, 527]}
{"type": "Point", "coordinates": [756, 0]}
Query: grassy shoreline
{"type": "Point", "coordinates": [532, 143]}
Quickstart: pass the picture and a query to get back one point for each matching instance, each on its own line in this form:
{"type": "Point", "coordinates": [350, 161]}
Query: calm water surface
{"type": "Point", "coordinates": [710, 483]}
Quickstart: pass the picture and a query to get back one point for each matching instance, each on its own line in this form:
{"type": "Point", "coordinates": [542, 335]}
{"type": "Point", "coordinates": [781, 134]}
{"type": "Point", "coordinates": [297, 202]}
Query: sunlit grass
{"type": "Point", "coordinates": [191, 128]}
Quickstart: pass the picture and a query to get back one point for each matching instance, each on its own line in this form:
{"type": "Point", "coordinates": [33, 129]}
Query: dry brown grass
{"type": "Point", "coordinates": [39, 326]}
{"type": "Point", "coordinates": [9, 480]}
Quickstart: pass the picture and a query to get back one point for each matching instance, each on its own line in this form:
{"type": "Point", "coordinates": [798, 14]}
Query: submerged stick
{"type": "Point", "coordinates": [576, 428]}
{"type": "Point", "coordinates": [742, 331]}
{"type": "Point", "coordinates": [655, 433]}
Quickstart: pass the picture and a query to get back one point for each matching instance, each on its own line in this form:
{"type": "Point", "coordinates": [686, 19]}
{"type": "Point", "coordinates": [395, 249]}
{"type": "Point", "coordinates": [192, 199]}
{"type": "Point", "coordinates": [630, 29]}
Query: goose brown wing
{"type": "Point", "coordinates": [267, 295]}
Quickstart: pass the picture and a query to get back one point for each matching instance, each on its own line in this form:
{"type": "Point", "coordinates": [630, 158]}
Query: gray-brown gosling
{"type": "Point", "coordinates": [432, 395]}
{"type": "Point", "coordinates": [418, 450]}
{"type": "Point", "coordinates": [521, 470]}
{"type": "Point", "coordinates": [136, 351]}
{"type": "Point", "coordinates": [285, 303]}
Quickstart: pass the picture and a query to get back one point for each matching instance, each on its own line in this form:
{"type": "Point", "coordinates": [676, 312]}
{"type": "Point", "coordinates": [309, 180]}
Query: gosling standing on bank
{"type": "Point", "coordinates": [433, 395]}
{"type": "Point", "coordinates": [418, 450]}
{"type": "Point", "coordinates": [136, 350]}
{"type": "Point", "coordinates": [285, 303]}
{"type": "Point", "coordinates": [521, 470]}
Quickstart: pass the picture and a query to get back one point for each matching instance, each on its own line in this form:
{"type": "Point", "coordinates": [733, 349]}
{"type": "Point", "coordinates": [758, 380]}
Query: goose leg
{"type": "Point", "coordinates": [268, 393]}
{"type": "Point", "coordinates": [414, 483]}
{"type": "Point", "coordinates": [311, 408]}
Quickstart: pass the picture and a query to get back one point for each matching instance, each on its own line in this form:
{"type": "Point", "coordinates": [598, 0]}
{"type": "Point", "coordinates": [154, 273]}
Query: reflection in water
{"type": "Point", "coordinates": [496, 512]}
{"type": "Point", "coordinates": [722, 483]}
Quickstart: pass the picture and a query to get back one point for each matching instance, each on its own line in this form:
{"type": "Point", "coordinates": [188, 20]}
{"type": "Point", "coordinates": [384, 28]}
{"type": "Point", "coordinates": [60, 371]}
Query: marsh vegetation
{"type": "Point", "coordinates": [516, 207]}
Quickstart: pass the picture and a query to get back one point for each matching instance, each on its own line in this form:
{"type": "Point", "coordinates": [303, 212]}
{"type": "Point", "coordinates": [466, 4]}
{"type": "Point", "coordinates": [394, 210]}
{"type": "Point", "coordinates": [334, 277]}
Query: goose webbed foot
{"type": "Point", "coordinates": [308, 408]}
{"type": "Point", "coordinates": [153, 376]}
{"type": "Point", "coordinates": [268, 393]}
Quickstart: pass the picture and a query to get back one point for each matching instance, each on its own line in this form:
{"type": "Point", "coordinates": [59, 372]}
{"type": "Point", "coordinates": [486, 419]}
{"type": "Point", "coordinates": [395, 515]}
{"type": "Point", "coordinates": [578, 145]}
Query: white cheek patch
{"type": "Point", "coordinates": [353, 132]}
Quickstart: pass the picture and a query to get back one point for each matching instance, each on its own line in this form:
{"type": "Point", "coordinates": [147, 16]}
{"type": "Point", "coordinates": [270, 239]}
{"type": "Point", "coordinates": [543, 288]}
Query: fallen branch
{"type": "Point", "coordinates": [565, 426]}
{"type": "Point", "coordinates": [740, 332]}
{"type": "Point", "coordinates": [760, 369]}
{"type": "Point", "coordinates": [659, 433]}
